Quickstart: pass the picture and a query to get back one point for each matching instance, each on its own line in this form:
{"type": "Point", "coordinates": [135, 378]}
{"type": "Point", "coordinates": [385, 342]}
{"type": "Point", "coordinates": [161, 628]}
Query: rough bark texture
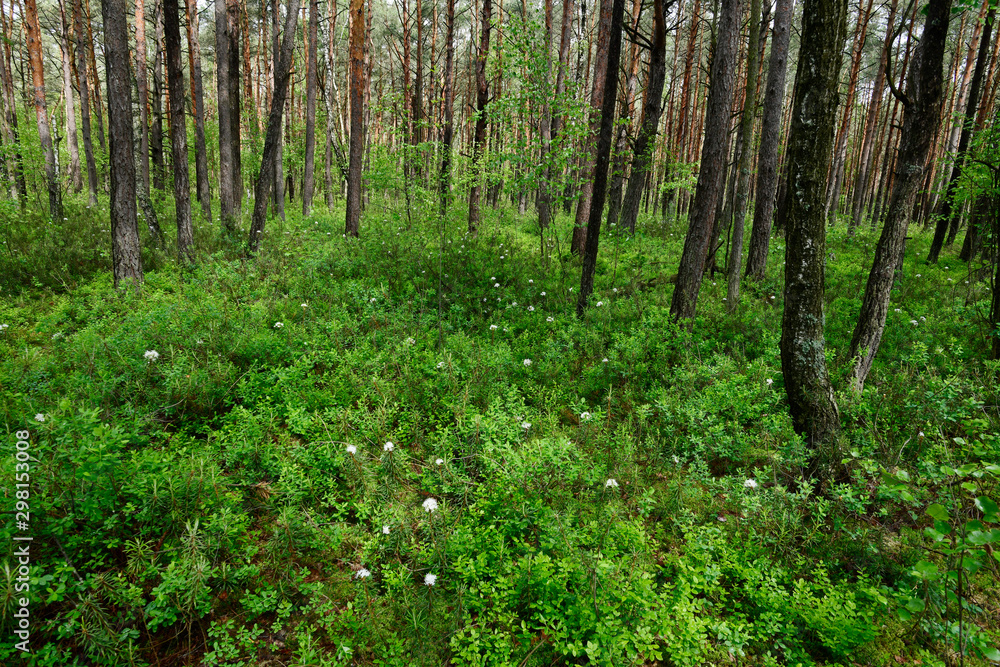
{"type": "Point", "coordinates": [770, 138]}
{"type": "Point", "coordinates": [814, 117]}
{"type": "Point", "coordinates": [198, 111]}
{"type": "Point", "coordinates": [75, 178]}
{"type": "Point", "coordinates": [946, 215]}
{"type": "Point", "coordinates": [651, 110]}
{"type": "Point", "coordinates": [178, 131]}
{"type": "Point", "coordinates": [156, 131]}
{"type": "Point", "coordinates": [742, 197]}
{"type": "Point", "coordinates": [579, 240]}
{"type": "Point", "coordinates": [603, 157]}
{"type": "Point", "coordinates": [81, 68]}
{"type": "Point", "coordinates": [312, 75]}
{"type": "Point", "coordinates": [482, 99]}
{"type": "Point", "coordinates": [265, 179]}
{"type": "Point", "coordinates": [543, 200]}
{"type": "Point", "coordinates": [143, 87]}
{"type": "Point", "coordinates": [921, 115]}
{"type": "Point", "coordinates": [41, 110]}
{"type": "Point", "coordinates": [235, 35]}
{"type": "Point", "coordinates": [227, 208]}
{"type": "Point", "coordinates": [713, 164]}
{"type": "Point", "coordinates": [279, 177]}
{"type": "Point", "coordinates": [126, 258]}
{"type": "Point", "coordinates": [357, 93]}
{"type": "Point", "coordinates": [449, 107]}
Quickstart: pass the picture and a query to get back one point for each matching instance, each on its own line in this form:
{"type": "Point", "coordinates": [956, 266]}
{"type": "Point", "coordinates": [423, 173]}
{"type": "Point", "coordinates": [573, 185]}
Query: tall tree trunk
{"type": "Point", "coordinates": [75, 177]}
{"type": "Point", "coordinates": [921, 116]}
{"type": "Point", "coordinates": [742, 196]}
{"type": "Point", "coordinates": [352, 216]}
{"type": "Point", "coordinates": [770, 138]}
{"type": "Point", "coordinates": [543, 203]}
{"type": "Point", "coordinates": [603, 156]}
{"type": "Point", "coordinates": [279, 159]}
{"type": "Point", "coordinates": [646, 137]}
{"type": "Point", "coordinates": [41, 110]}
{"type": "Point", "coordinates": [198, 110]}
{"type": "Point", "coordinates": [81, 68]}
{"type": "Point", "coordinates": [482, 98]}
{"type": "Point", "coordinates": [265, 179]}
{"type": "Point", "coordinates": [871, 124]}
{"type": "Point", "coordinates": [331, 109]}
{"type": "Point", "coordinates": [126, 258]}
{"type": "Point", "coordinates": [620, 147]}
{"type": "Point", "coordinates": [156, 135]}
{"type": "Point", "coordinates": [98, 104]}
{"type": "Point", "coordinates": [579, 241]}
{"type": "Point", "coordinates": [19, 187]}
{"type": "Point", "coordinates": [449, 107]}
{"type": "Point", "coordinates": [312, 75]}
{"type": "Point", "coordinates": [947, 216]}
{"type": "Point", "coordinates": [713, 164]}
{"type": "Point", "coordinates": [143, 87]}
{"type": "Point", "coordinates": [235, 104]}
{"type": "Point", "coordinates": [803, 362]}
{"type": "Point", "coordinates": [227, 208]}
{"type": "Point", "coordinates": [178, 131]}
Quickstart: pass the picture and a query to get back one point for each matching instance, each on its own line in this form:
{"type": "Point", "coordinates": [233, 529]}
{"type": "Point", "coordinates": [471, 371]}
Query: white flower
{"type": "Point", "coordinates": [531, 309]}
{"type": "Point", "coordinates": [750, 484]}
{"type": "Point", "coordinates": [897, 310]}
{"type": "Point", "coordinates": [604, 360]}
{"type": "Point", "coordinates": [550, 319]}
{"type": "Point", "coordinates": [530, 281]}
{"type": "Point", "coordinates": [918, 275]}
{"type": "Point", "coordinates": [769, 382]}
{"type": "Point", "coordinates": [493, 327]}
{"type": "Point", "coordinates": [362, 574]}
{"type": "Point", "coordinates": [39, 417]}
{"type": "Point", "coordinates": [385, 530]}
{"type": "Point", "coordinates": [496, 284]}
{"type": "Point", "coordinates": [677, 460]}
{"type": "Point", "coordinates": [921, 434]}
{"type": "Point", "coordinates": [600, 303]}
{"type": "Point", "coordinates": [527, 362]}
{"type": "Point", "coordinates": [543, 293]}
{"type": "Point", "coordinates": [430, 505]}
{"type": "Point", "coordinates": [278, 325]}
{"type": "Point", "coordinates": [525, 425]}
{"type": "Point", "coordinates": [388, 446]}
{"type": "Point", "coordinates": [305, 305]}
{"type": "Point", "coordinates": [440, 364]}
{"type": "Point", "coordinates": [439, 461]}
{"type": "Point", "coordinates": [722, 519]}
{"type": "Point", "coordinates": [410, 341]}
{"type": "Point", "coordinates": [772, 296]}
{"type": "Point", "coordinates": [514, 303]}
{"type": "Point", "coordinates": [351, 449]}
{"type": "Point", "coordinates": [612, 483]}
{"type": "Point", "coordinates": [615, 290]}
{"type": "Point", "coordinates": [430, 579]}
{"type": "Point", "coordinates": [493, 277]}
{"type": "Point", "coordinates": [151, 355]}
{"type": "Point", "coordinates": [199, 342]}
{"type": "Point", "coordinates": [913, 322]}
{"type": "Point", "coordinates": [3, 326]}
{"type": "Point", "coordinates": [585, 416]}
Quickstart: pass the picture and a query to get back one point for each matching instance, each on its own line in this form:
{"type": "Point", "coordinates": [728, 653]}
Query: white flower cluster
{"type": "Point", "coordinates": [430, 505]}
{"type": "Point", "coordinates": [388, 446]}
{"type": "Point", "coordinates": [151, 355]}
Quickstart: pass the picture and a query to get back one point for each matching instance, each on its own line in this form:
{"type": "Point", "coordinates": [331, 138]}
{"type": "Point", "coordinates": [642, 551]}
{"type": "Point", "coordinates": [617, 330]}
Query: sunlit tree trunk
{"type": "Point", "coordinates": [75, 177]}
{"type": "Point", "coordinates": [482, 99]}
{"type": "Point", "coordinates": [178, 131]}
{"type": "Point", "coordinates": [279, 166]}
{"type": "Point", "coordinates": [143, 88]}
{"type": "Point", "coordinates": [357, 93]}
{"type": "Point", "coordinates": [84, 85]}
{"type": "Point", "coordinates": [449, 107]}
{"type": "Point", "coordinates": [312, 75]}
{"type": "Point", "coordinates": [34, 36]}
{"type": "Point", "coordinates": [198, 110]}
{"type": "Point", "coordinates": [156, 134]}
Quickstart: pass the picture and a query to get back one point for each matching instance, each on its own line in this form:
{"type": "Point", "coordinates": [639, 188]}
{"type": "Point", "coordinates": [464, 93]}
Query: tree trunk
{"type": "Point", "coordinates": [19, 186]}
{"type": "Point", "coordinates": [357, 142]}
{"type": "Point", "coordinates": [126, 257]}
{"type": "Point", "coordinates": [227, 208]}
{"type": "Point", "coordinates": [543, 203]}
{"type": "Point", "coordinates": [646, 137]}
{"type": "Point", "coordinates": [279, 160]}
{"type": "Point", "coordinates": [178, 131]}
{"type": "Point", "coordinates": [579, 241]}
{"type": "Point", "coordinates": [482, 98]}
{"type": "Point", "coordinates": [713, 164]}
{"type": "Point", "coordinates": [331, 109]}
{"type": "Point", "coordinates": [803, 362]}
{"type": "Point", "coordinates": [198, 110]}
{"type": "Point", "coordinates": [921, 115]}
{"type": "Point", "coordinates": [265, 179]}
{"type": "Point", "coordinates": [770, 138]}
{"type": "Point", "coordinates": [449, 107]}
{"type": "Point", "coordinates": [75, 177]}
{"type": "Point", "coordinates": [98, 104]}
{"type": "Point", "coordinates": [742, 197]}
{"type": "Point", "coordinates": [143, 88]}
{"type": "Point", "coordinates": [156, 136]}
{"type": "Point", "coordinates": [312, 74]}
{"type": "Point", "coordinates": [946, 216]}
{"type": "Point", "coordinates": [603, 156]}
{"type": "Point", "coordinates": [41, 110]}
{"type": "Point", "coordinates": [235, 103]}
{"type": "Point", "coordinates": [81, 68]}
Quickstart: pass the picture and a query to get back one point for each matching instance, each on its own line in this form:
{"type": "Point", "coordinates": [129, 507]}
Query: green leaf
{"type": "Point", "coordinates": [915, 605]}
{"type": "Point", "coordinates": [991, 653]}
{"type": "Point", "coordinates": [947, 470]}
{"type": "Point", "coordinates": [987, 507]}
{"type": "Point", "coordinates": [969, 486]}
{"type": "Point", "coordinates": [938, 512]}
{"type": "Point", "coordinates": [925, 569]}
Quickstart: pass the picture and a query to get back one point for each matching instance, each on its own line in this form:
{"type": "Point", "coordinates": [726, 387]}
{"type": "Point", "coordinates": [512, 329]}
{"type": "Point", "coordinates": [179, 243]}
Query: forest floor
{"type": "Point", "coordinates": [405, 449]}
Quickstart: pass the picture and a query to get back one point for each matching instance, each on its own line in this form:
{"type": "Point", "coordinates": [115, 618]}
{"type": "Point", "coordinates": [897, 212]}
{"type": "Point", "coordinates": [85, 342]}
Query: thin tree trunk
{"type": "Point", "coordinates": [6, 73]}
{"type": "Point", "coordinates": [279, 160]}
{"type": "Point", "coordinates": [265, 179]}
{"type": "Point", "coordinates": [203, 186]}
{"type": "Point", "coordinates": [156, 136]}
{"type": "Point", "coordinates": [312, 74]}
{"type": "Point", "coordinates": [235, 36]}
{"type": "Point", "coordinates": [921, 115]}
{"type": "Point", "coordinates": [329, 104]}
{"type": "Point", "coordinates": [178, 131]}
{"type": "Point", "coordinates": [543, 203]}
{"type": "Point", "coordinates": [143, 87]}
{"type": "Point", "coordinates": [603, 156]}
{"type": "Point", "coordinates": [41, 110]}
{"type": "Point", "coordinates": [81, 67]}
{"type": "Point", "coordinates": [449, 107]}
{"type": "Point", "coordinates": [98, 104]}
{"type": "Point", "coordinates": [75, 177]}
{"type": "Point", "coordinates": [357, 93]}
{"type": "Point", "coordinates": [227, 208]}
{"type": "Point", "coordinates": [482, 98]}
{"type": "Point", "coordinates": [713, 164]}
{"type": "Point", "coordinates": [126, 258]}
{"type": "Point", "coordinates": [803, 362]}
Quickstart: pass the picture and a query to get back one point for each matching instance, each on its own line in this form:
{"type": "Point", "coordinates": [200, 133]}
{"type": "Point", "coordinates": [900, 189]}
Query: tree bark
{"type": "Point", "coordinates": [921, 115]}
{"type": "Point", "coordinates": [143, 87]}
{"type": "Point", "coordinates": [203, 187]}
{"type": "Point", "coordinates": [312, 75]}
{"type": "Point", "coordinates": [156, 136]}
{"type": "Point", "coordinates": [279, 160]}
{"type": "Point", "coordinates": [126, 258]}
{"type": "Point", "coordinates": [803, 362]}
{"type": "Point", "coordinates": [265, 179]}
{"type": "Point", "coordinates": [603, 156]}
{"type": "Point", "coordinates": [770, 138]}
{"type": "Point", "coordinates": [543, 200]}
{"type": "Point", "coordinates": [81, 68]}
{"type": "Point", "coordinates": [482, 99]}
{"type": "Point", "coordinates": [34, 37]}
{"type": "Point", "coordinates": [235, 104]}
{"type": "Point", "coordinates": [449, 107]}
{"type": "Point", "coordinates": [356, 150]}
{"type": "Point", "coordinates": [713, 164]}
{"type": "Point", "coordinates": [227, 208]}
{"type": "Point", "coordinates": [178, 131]}
{"type": "Point", "coordinates": [75, 177]}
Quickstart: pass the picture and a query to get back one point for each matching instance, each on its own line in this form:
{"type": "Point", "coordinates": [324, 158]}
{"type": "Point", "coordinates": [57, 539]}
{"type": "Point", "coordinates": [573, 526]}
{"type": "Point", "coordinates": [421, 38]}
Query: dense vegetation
{"type": "Point", "coordinates": [617, 489]}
